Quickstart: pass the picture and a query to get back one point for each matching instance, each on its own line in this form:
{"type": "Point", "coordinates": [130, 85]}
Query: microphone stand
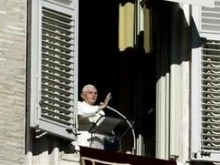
{"type": "Point", "coordinates": [130, 125]}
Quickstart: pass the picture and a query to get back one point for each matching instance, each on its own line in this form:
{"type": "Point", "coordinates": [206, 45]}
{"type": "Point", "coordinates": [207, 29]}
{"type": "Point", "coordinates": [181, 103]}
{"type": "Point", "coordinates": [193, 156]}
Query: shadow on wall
{"type": "Point", "coordinates": [196, 39]}
{"type": "Point", "coordinates": [47, 143]}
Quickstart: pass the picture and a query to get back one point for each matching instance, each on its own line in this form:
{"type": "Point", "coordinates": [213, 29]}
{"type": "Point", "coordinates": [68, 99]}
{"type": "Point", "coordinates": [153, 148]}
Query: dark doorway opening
{"type": "Point", "coordinates": [98, 46]}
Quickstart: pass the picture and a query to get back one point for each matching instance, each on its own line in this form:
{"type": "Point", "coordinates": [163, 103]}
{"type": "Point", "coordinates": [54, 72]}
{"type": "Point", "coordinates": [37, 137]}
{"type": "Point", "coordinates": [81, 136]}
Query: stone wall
{"type": "Point", "coordinates": [12, 80]}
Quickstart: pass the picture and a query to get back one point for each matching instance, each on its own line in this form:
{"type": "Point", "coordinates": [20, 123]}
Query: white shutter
{"type": "Point", "coordinates": [210, 137]}
{"type": "Point", "coordinates": [205, 135]}
{"type": "Point", "coordinates": [205, 140]}
{"type": "Point", "coordinates": [210, 18]}
{"type": "Point", "coordinates": [56, 95]}
{"type": "Point", "coordinates": [207, 3]}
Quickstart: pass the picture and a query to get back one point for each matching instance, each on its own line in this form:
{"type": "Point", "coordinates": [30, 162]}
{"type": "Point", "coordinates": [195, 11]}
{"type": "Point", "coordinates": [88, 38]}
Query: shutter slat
{"type": "Point", "coordinates": [209, 49]}
{"type": "Point", "coordinates": [61, 61]}
{"type": "Point", "coordinates": [207, 135]}
{"type": "Point", "coordinates": [57, 65]}
{"type": "Point", "coordinates": [214, 83]}
{"type": "Point", "coordinates": [214, 28]}
{"type": "Point", "coordinates": [56, 119]}
{"type": "Point", "coordinates": [56, 83]}
{"type": "Point", "coordinates": [54, 101]}
{"type": "Point", "coordinates": [214, 111]}
{"type": "Point", "coordinates": [212, 100]}
{"type": "Point", "coordinates": [61, 37]}
{"type": "Point", "coordinates": [55, 96]}
{"type": "Point", "coordinates": [59, 90]}
{"type": "Point", "coordinates": [57, 29]}
{"type": "Point", "coordinates": [214, 141]}
{"type": "Point", "coordinates": [208, 9]}
{"type": "Point", "coordinates": [62, 80]}
{"type": "Point", "coordinates": [57, 114]}
{"type": "Point", "coordinates": [211, 105]}
{"type": "Point", "coordinates": [58, 15]}
{"type": "Point", "coordinates": [211, 117]}
{"type": "Point", "coordinates": [210, 19]}
{"type": "Point", "coordinates": [211, 93]}
{"type": "Point", "coordinates": [64, 27]}
{"type": "Point", "coordinates": [210, 62]}
{"type": "Point", "coordinates": [210, 148]}
{"type": "Point", "coordinates": [210, 87]}
{"type": "Point", "coordinates": [56, 46]}
{"type": "Point", "coordinates": [208, 71]}
{"type": "Point", "coordinates": [63, 110]}
{"type": "Point", "coordinates": [56, 52]}
{"type": "Point", "coordinates": [56, 40]}
{"type": "Point", "coordinates": [215, 130]}
{"type": "Point", "coordinates": [211, 123]}
{"type": "Point", "coordinates": [56, 71]}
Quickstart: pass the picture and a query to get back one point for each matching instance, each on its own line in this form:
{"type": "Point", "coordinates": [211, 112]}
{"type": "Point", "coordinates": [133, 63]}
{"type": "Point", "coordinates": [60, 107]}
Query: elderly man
{"type": "Point", "coordinates": [88, 112]}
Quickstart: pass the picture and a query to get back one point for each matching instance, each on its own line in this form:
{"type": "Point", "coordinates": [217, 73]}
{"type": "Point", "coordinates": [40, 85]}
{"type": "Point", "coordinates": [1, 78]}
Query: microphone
{"type": "Point", "coordinates": [130, 125]}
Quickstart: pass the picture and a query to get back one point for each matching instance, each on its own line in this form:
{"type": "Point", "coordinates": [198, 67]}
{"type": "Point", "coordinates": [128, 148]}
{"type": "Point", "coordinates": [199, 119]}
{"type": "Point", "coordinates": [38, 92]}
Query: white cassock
{"type": "Point", "coordinates": [87, 113]}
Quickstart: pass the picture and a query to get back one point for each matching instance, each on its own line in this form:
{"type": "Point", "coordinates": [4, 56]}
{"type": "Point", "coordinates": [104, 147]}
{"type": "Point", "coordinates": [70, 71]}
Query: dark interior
{"type": "Point", "coordinates": [98, 46]}
{"type": "Point", "coordinates": [128, 75]}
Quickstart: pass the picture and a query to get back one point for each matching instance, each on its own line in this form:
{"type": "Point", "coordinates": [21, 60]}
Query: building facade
{"type": "Point", "coordinates": [13, 81]}
{"type": "Point", "coordinates": [161, 62]}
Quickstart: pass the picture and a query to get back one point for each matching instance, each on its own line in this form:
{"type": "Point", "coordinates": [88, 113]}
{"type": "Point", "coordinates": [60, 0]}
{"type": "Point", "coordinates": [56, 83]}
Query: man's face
{"type": "Point", "coordinates": [90, 96]}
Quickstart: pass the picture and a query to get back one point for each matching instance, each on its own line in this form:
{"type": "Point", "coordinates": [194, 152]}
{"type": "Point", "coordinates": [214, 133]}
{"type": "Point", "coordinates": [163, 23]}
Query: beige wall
{"type": "Point", "coordinates": [12, 81]}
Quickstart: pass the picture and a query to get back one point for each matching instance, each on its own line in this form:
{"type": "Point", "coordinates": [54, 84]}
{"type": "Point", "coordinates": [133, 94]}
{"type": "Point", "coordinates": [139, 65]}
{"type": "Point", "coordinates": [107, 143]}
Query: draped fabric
{"type": "Point", "coordinates": [130, 20]}
{"type": "Point", "coordinates": [126, 25]}
{"type": "Point", "coordinates": [147, 28]}
{"type": "Point", "coordinates": [116, 158]}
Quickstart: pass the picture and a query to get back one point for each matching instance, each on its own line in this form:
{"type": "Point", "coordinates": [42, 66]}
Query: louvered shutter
{"type": "Point", "coordinates": [210, 126]}
{"type": "Point", "coordinates": [206, 143]}
{"type": "Point", "coordinates": [56, 97]}
{"type": "Point", "coordinates": [207, 3]}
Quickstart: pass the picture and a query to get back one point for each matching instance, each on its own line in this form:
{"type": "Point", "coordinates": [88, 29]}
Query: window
{"type": "Point", "coordinates": [205, 133]}
{"type": "Point", "coordinates": [53, 60]}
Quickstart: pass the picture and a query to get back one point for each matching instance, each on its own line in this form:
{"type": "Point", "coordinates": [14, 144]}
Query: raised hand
{"type": "Point", "coordinates": [108, 97]}
{"type": "Point", "coordinates": [106, 101]}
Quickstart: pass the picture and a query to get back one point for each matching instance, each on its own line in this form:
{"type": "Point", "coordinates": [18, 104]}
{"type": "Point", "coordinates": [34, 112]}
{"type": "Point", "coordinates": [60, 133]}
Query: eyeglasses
{"type": "Point", "coordinates": [90, 92]}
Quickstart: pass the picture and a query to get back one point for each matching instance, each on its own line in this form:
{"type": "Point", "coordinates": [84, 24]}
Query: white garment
{"type": "Point", "coordinates": [86, 110]}
{"type": "Point", "coordinates": [85, 138]}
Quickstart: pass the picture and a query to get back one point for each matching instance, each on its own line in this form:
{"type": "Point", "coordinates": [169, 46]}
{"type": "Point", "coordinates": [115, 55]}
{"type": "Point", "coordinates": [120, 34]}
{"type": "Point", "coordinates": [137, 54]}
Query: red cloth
{"type": "Point", "coordinates": [122, 158]}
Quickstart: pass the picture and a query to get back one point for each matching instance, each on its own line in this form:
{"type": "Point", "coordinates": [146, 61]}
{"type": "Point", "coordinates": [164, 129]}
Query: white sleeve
{"type": "Point", "coordinates": [86, 110]}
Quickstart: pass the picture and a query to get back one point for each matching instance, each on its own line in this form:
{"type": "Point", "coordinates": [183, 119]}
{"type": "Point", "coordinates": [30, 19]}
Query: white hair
{"type": "Point", "coordinates": [86, 87]}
